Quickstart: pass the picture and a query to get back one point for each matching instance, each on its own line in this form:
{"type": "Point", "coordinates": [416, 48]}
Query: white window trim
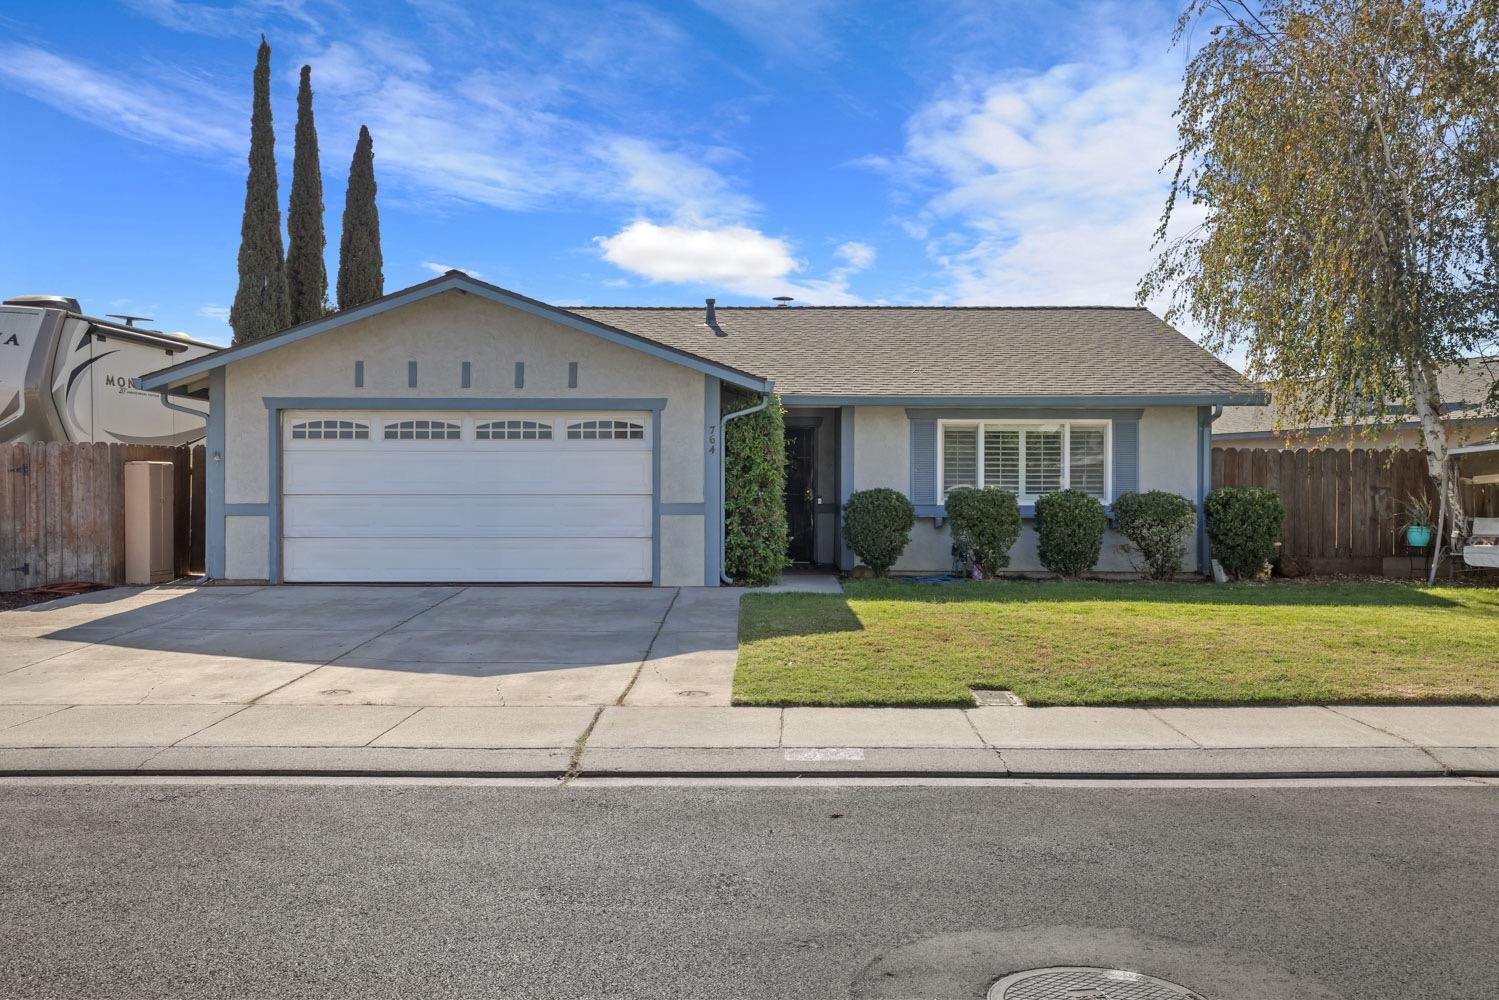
{"type": "Point", "coordinates": [1066, 426]}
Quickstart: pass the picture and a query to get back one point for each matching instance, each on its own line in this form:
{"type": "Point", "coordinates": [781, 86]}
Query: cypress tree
{"type": "Point", "coordinates": [306, 275]}
{"type": "Point", "coordinates": [359, 263]}
{"type": "Point", "coordinates": [260, 303]}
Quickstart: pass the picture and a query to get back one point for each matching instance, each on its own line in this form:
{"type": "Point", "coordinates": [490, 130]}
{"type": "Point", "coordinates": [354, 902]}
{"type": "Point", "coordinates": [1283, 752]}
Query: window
{"type": "Point", "coordinates": [605, 430]}
{"type": "Point", "coordinates": [421, 430]}
{"type": "Point", "coordinates": [514, 430]}
{"type": "Point", "coordinates": [327, 430]}
{"type": "Point", "coordinates": [1029, 459]}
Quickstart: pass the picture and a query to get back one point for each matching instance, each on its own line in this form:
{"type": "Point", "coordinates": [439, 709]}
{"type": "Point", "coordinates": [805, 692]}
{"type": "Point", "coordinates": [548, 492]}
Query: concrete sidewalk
{"type": "Point", "coordinates": [627, 740]}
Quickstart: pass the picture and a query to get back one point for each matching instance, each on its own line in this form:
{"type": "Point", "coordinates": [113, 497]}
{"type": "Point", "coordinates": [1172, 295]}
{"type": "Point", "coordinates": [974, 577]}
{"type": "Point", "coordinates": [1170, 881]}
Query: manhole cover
{"type": "Point", "coordinates": [1084, 983]}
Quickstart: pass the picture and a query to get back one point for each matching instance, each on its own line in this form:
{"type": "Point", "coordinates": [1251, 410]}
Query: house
{"type": "Point", "coordinates": [1464, 389]}
{"type": "Point", "coordinates": [454, 431]}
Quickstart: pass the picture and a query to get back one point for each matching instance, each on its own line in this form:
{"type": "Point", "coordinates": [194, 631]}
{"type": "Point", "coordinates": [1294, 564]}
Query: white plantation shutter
{"type": "Point", "coordinates": [1043, 461]}
{"type": "Point", "coordinates": [1086, 460]}
{"type": "Point", "coordinates": [960, 453]}
{"type": "Point", "coordinates": [1002, 458]}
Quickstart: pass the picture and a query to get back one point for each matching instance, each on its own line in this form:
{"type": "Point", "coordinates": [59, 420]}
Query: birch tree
{"type": "Point", "coordinates": [1343, 155]}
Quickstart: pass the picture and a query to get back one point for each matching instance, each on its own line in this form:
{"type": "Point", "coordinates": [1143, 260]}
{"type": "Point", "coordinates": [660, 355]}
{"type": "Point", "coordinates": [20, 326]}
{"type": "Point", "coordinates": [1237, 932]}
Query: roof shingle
{"type": "Point", "coordinates": [902, 351]}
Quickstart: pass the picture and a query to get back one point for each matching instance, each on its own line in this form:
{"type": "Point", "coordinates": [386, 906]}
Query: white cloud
{"type": "Point", "coordinates": [440, 269]}
{"type": "Point", "coordinates": [738, 257]}
{"type": "Point", "coordinates": [221, 19]}
{"type": "Point", "coordinates": [683, 186]}
{"type": "Point", "coordinates": [799, 30]}
{"type": "Point", "coordinates": [1045, 188]}
{"type": "Point", "coordinates": [855, 255]}
{"type": "Point", "coordinates": [733, 258]}
{"type": "Point", "coordinates": [213, 312]}
{"type": "Point", "coordinates": [133, 108]}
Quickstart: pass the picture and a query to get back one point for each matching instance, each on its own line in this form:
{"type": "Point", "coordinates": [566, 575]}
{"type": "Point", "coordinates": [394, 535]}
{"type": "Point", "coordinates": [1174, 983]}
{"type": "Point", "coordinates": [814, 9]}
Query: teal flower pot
{"type": "Point", "coordinates": [1417, 536]}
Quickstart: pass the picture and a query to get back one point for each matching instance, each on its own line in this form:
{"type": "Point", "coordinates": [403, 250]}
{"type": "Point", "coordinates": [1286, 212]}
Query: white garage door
{"type": "Point", "coordinates": [484, 496]}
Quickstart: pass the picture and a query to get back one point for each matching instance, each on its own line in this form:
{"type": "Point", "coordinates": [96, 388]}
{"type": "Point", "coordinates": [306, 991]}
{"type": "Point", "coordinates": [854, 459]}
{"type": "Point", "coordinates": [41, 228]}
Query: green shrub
{"type": "Point", "coordinates": [877, 524]}
{"type": "Point", "coordinates": [754, 455]}
{"type": "Point", "coordinates": [1243, 524]}
{"type": "Point", "coordinates": [1071, 525]}
{"type": "Point", "coordinates": [1157, 525]}
{"type": "Point", "coordinates": [985, 524]}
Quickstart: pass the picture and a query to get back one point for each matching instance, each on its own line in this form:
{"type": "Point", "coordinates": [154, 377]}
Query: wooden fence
{"type": "Point", "coordinates": [62, 508]}
{"type": "Point", "coordinates": [1343, 507]}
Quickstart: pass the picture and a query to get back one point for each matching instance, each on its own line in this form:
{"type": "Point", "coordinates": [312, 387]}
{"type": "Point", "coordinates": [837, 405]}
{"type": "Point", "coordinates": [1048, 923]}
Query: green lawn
{"type": "Point", "coordinates": [887, 642]}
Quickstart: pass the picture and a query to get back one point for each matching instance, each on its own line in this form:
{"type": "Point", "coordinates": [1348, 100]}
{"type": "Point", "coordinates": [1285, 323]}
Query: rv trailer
{"type": "Point", "coordinates": [65, 376]}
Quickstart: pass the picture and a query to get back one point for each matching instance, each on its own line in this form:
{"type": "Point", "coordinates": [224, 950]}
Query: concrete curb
{"type": "Point", "coordinates": [1329, 762]}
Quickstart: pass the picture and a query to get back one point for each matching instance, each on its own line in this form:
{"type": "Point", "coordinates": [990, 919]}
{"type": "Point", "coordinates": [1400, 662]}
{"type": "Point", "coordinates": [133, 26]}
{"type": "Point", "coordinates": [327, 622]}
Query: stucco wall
{"type": "Point", "coordinates": [440, 334]}
{"type": "Point", "coordinates": [882, 446]}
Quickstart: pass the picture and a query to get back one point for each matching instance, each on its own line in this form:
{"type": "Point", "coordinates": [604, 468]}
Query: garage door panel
{"type": "Point", "coordinates": [426, 516]}
{"type": "Point", "coordinates": [467, 560]}
{"type": "Point", "coordinates": [467, 497]}
{"type": "Point", "coordinates": [404, 470]}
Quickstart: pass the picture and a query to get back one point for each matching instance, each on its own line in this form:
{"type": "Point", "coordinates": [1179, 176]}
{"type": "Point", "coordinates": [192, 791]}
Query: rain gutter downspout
{"type": "Point", "coordinates": [723, 477]}
{"type": "Point", "coordinates": [180, 408]}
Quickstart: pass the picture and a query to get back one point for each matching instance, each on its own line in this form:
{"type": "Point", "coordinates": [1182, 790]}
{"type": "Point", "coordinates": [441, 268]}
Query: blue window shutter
{"type": "Point", "coordinates": [924, 461]}
{"type": "Point", "coordinates": [1126, 456]}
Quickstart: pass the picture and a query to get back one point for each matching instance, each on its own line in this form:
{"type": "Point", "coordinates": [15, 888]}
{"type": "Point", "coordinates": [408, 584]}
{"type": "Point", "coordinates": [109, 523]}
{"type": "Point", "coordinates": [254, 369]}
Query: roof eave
{"type": "Point", "coordinates": [1218, 398]}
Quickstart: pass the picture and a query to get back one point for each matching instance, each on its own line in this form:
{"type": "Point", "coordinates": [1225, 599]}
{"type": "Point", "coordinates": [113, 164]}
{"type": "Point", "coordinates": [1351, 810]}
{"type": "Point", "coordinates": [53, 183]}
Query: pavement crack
{"type": "Point", "coordinates": [649, 649]}
{"type": "Point", "coordinates": [1446, 771]}
{"type": "Point", "coordinates": [349, 652]}
{"type": "Point", "coordinates": [1167, 723]}
{"type": "Point", "coordinates": [402, 719]}
{"type": "Point", "coordinates": [575, 763]}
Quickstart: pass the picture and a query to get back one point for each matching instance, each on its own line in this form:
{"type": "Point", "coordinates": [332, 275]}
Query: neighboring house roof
{"type": "Point", "coordinates": [888, 354]}
{"type": "Point", "coordinates": [895, 352]}
{"type": "Point", "coordinates": [1464, 388]}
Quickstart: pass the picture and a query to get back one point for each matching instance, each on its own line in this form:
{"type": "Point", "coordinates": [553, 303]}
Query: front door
{"type": "Point", "coordinates": [801, 493]}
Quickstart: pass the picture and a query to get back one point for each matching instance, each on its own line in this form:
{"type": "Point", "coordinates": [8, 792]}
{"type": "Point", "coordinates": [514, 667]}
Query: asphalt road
{"type": "Point", "coordinates": [215, 890]}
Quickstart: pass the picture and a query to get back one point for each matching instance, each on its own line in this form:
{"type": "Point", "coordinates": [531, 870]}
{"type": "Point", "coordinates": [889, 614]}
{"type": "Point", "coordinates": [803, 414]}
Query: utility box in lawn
{"type": "Point", "coordinates": [148, 523]}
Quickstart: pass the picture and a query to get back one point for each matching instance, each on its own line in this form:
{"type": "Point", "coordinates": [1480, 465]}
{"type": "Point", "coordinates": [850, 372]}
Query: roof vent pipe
{"type": "Point", "coordinates": [712, 319]}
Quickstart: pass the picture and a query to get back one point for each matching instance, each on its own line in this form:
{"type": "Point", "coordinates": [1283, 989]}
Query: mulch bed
{"type": "Point", "coordinates": [51, 592]}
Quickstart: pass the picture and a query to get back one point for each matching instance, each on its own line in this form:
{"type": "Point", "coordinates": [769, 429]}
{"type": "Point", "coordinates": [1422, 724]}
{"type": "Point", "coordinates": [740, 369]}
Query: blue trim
{"type": "Point", "coordinates": [1183, 399]}
{"type": "Point", "coordinates": [467, 285]}
{"type": "Point", "coordinates": [456, 403]}
{"type": "Point", "coordinates": [247, 510]}
{"type": "Point", "coordinates": [1125, 477]}
{"type": "Point", "coordinates": [923, 460]}
{"type": "Point", "coordinates": [359, 374]}
{"type": "Point", "coordinates": [213, 485]}
{"type": "Point", "coordinates": [656, 498]}
{"type": "Point", "coordinates": [712, 498]}
{"type": "Point", "coordinates": [273, 496]}
{"type": "Point", "coordinates": [1023, 413]}
{"type": "Point", "coordinates": [520, 374]}
{"type": "Point", "coordinates": [682, 508]}
{"type": "Point", "coordinates": [1205, 417]}
{"type": "Point", "coordinates": [572, 374]}
{"type": "Point", "coordinates": [845, 480]}
{"type": "Point", "coordinates": [411, 374]}
{"type": "Point", "coordinates": [466, 375]}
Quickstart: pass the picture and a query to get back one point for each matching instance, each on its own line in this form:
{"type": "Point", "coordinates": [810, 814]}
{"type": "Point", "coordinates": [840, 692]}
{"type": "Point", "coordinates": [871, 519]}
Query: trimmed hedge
{"type": "Point", "coordinates": [1243, 524]}
{"type": "Point", "coordinates": [985, 524]}
{"type": "Point", "coordinates": [877, 525]}
{"type": "Point", "coordinates": [1071, 525]}
{"type": "Point", "coordinates": [754, 455]}
{"type": "Point", "coordinates": [1157, 524]}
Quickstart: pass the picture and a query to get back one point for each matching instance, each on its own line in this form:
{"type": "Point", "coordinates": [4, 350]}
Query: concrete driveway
{"type": "Point", "coordinates": [373, 646]}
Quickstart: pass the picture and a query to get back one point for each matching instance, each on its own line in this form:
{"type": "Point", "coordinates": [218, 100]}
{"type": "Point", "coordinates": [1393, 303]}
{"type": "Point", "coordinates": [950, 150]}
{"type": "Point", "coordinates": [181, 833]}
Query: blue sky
{"type": "Point", "coordinates": [839, 151]}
